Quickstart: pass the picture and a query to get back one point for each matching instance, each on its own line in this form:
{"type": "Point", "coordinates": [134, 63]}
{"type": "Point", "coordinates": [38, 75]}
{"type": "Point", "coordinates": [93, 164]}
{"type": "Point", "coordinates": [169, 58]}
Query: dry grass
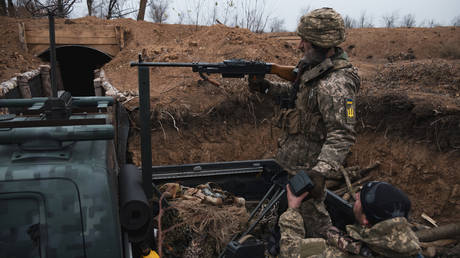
{"type": "Point", "coordinates": [450, 50]}
{"type": "Point", "coordinates": [219, 223]}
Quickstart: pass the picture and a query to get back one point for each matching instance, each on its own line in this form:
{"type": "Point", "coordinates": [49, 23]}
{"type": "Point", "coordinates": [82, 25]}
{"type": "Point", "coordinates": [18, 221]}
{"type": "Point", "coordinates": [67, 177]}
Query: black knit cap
{"type": "Point", "coordinates": [381, 201]}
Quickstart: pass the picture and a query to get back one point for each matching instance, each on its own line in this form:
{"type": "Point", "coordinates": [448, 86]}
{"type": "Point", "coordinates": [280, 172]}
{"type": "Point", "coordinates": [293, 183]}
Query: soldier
{"type": "Point", "coordinates": [317, 114]}
{"type": "Point", "coordinates": [381, 210]}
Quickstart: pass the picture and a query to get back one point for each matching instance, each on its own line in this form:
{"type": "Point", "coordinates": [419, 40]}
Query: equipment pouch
{"type": "Point", "coordinates": [293, 121]}
{"type": "Point", "coordinates": [314, 130]}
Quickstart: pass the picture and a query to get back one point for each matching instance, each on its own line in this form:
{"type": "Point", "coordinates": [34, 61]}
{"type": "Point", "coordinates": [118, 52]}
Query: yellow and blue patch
{"type": "Point", "coordinates": [350, 110]}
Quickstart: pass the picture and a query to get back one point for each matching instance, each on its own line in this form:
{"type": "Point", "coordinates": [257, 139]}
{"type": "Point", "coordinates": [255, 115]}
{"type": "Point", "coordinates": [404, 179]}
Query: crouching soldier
{"type": "Point", "coordinates": [382, 229]}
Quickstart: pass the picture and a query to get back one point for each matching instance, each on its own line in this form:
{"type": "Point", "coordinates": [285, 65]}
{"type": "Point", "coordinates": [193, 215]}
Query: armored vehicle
{"type": "Point", "coordinates": [58, 179]}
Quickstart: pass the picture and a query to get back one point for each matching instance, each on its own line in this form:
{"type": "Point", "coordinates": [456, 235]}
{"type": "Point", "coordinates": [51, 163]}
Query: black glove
{"type": "Point", "coordinates": [318, 179]}
{"type": "Point", "coordinates": [257, 83]}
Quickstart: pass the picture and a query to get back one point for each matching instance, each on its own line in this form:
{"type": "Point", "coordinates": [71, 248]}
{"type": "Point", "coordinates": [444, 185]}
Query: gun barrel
{"type": "Point", "coordinates": [164, 64]}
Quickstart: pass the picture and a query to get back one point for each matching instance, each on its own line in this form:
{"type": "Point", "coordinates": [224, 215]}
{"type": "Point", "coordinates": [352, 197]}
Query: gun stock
{"type": "Point", "coordinates": [284, 71]}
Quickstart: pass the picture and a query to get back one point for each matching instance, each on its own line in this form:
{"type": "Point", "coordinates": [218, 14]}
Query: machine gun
{"type": "Point", "coordinates": [233, 68]}
{"type": "Point", "coordinates": [242, 245]}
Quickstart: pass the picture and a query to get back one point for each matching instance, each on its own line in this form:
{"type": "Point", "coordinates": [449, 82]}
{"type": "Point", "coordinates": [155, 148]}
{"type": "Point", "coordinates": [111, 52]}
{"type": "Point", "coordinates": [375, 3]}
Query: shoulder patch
{"type": "Point", "coordinates": [350, 110]}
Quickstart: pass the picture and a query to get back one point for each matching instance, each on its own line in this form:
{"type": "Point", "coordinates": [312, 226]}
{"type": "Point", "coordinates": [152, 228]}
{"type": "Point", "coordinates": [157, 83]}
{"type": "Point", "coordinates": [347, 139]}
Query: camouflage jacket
{"type": "Point", "coordinates": [389, 238]}
{"type": "Point", "coordinates": [318, 132]}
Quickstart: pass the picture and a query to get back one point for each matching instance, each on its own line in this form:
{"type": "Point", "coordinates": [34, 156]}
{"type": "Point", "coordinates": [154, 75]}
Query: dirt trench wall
{"type": "Point", "coordinates": [417, 148]}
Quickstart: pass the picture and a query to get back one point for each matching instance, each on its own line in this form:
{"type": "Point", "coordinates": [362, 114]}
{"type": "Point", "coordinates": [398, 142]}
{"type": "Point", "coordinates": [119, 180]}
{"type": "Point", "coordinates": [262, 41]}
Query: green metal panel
{"type": "Point", "coordinates": [79, 193]}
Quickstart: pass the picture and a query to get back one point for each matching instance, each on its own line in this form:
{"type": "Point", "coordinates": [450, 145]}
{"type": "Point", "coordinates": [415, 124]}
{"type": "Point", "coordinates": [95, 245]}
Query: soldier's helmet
{"type": "Point", "coordinates": [322, 27]}
{"type": "Point", "coordinates": [382, 201]}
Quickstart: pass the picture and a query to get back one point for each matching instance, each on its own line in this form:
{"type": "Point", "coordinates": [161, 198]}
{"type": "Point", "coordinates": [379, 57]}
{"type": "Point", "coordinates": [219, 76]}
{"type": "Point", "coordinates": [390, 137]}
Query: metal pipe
{"type": "Point", "coordinates": [52, 53]}
{"type": "Point", "coordinates": [61, 133]}
{"type": "Point", "coordinates": [261, 202]}
{"type": "Point", "coordinates": [146, 149]}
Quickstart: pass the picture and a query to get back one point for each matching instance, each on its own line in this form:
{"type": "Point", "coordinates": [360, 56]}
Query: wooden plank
{"type": "Point", "coordinates": [120, 36]}
{"type": "Point", "coordinates": [111, 50]}
{"type": "Point", "coordinates": [31, 27]}
{"type": "Point", "coordinates": [73, 33]}
{"type": "Point", "coordinates": [22, 36]}
{"type": "Point", "coordinates": [287, 38]}
{"type": "Point", "coordinates": [75, 40]}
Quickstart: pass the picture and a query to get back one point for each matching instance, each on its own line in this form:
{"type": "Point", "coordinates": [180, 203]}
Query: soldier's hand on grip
{"type": "Point", "coordinates": [257, 83]}
{"type": "Point", "coordinates": [318, 181]}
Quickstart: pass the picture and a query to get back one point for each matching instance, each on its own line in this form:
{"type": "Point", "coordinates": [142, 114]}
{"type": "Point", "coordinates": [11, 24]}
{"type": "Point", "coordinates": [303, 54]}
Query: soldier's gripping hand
{"type": "Point", "coordinates": [318, 180]}
{"type": "Point", "coordinates": [294, 201]}
{"type": "Point", "coordinates": [258, 83]}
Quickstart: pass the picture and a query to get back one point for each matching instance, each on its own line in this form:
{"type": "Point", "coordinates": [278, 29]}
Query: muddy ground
{"type": "Point", "coordinates": [408, 106]}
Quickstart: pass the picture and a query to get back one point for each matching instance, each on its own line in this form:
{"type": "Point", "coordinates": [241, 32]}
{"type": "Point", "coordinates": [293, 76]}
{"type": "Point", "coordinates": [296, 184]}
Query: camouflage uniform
{"type": "Point", "coordinates": [318, 132]}
{"type": "Point", "coordinates": [389, 238]}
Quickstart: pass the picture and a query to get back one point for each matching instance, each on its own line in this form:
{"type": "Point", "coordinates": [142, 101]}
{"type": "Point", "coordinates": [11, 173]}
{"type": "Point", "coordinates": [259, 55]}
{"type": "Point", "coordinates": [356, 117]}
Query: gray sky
{"type": "Point", "coordinates": [442, 12]}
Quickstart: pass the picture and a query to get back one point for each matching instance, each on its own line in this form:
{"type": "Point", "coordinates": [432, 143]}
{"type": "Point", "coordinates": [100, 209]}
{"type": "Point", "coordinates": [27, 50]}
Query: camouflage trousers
{"type": "Point", "coordinates": [315, 217]}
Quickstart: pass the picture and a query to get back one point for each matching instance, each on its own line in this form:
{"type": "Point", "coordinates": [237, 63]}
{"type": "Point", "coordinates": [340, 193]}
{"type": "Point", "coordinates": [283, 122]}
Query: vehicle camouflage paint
{"type": "Point", "coordinates": [58, 184]}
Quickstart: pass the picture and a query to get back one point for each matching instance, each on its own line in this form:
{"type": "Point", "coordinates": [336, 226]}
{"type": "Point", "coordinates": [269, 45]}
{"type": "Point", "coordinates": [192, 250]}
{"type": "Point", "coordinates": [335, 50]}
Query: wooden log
{"type": "Point", "coordinates": [98, 87]}
{"type": "Point", "coordinates": [46, 80]}
{"type": "Point", "coordinates": [348, 182]}
{"type": "Point", "coordinates": [24, 88]}
{"type": "Point", "coordinates": [119, 32]}
{"type": "Point", "coordinates": [441, 232]}
{"type": "Point", "coordinates": [22, 36]}
{"type": "Point", "coordinates": [438, 243]}
{"type": "Point", "coordinates": [343, 190]}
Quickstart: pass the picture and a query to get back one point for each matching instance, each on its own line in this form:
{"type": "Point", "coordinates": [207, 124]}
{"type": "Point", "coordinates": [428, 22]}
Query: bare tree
{"type": "Point", "coordinates": [3, 8]}
{"type": "Point", "coordinates": [254, 17]}
{"type": "Point", "coordinates": [111, 8]}
{"type": "Point", "coordinates": [432, 23]}
{"type": "Point", "coordinates": [180, 17]}
{"type": "Point", "coordinates": [456, 21]}
{"type": "Point", "coordinates": [228, 10]}
{"type": "Point", "coordinates": [214, 15]}
{"type": "Point", "coordinates": [194, 12]}
{"type": "Point", "coordinates": [60, 8]}
{"type": "Point", "coordinates": [277, 25]}
{"type": "Point", "coordinates": [89, 5]}
{"type": "Point", "coordinates": [408, 21]}
{"type": "Point", "coordinates": [349, 22]}
{"type": "Point", "coordinates": [158, 10]}
{"type": "Point", "coordinates": [303, 11]}
{"type": "Point", "coordinates": [141, 13]}
{"type": "Point", "coordinates": [390, 20]}
{"type": "Point", "coordinates": [364, 21]}
{"type": "Point", "coordinates": [11, 9]}
{"type": "Point", "coordinates": [429, 23]}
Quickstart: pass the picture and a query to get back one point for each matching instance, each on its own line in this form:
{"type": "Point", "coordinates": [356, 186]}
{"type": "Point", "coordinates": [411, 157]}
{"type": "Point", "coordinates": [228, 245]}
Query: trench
{"type": "Point", "coordinates": [76, 65]}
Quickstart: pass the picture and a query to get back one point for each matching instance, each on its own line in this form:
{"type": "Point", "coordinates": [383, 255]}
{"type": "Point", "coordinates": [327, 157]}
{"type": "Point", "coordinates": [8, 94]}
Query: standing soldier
{"type": "Point", "coordinates": [317, 115]}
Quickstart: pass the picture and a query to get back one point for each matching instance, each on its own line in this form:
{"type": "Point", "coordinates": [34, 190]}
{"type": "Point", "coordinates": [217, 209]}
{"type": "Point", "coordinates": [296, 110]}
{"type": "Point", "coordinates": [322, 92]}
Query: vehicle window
{"type": "Point", "coordinates": [19, 227]}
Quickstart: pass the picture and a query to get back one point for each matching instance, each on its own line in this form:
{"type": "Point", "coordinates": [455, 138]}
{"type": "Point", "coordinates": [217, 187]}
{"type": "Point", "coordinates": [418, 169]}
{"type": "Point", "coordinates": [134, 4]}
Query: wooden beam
{"type": "Point", "coordinates": [119, 31]}
{"type": "Point", "coordinates": [103, 33]}
{"type": "Point", "coordinates": [111, 50]}
{"type": "Point", "coordinates": [22, 36]}
{"type": "Point", "coordinates": [74, 40]}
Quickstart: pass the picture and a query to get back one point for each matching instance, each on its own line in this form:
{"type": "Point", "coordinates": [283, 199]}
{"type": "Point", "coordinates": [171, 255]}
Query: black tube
{"type": "Point", "coordinates": [52, 54]}
{"type": "Point", "coordinates": [146, 149]}
{"type": "Point", "coordinates": [134, 206]}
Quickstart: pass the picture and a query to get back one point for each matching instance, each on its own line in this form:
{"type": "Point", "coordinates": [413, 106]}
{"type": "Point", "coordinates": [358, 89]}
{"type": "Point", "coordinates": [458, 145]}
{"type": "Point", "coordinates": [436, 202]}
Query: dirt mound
{"type": "Point", "coordinates": [13, 59]}
{"type": "Point", "coordinates": [408, 105]}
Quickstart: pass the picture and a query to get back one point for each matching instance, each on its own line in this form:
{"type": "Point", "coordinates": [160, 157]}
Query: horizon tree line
{"type": "Point", "coordinates": [249, 14]}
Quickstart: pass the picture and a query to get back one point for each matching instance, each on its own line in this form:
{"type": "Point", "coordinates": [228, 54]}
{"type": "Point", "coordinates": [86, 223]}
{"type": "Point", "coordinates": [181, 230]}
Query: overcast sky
{"type": "Point", "coordinates": [441, 12]}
